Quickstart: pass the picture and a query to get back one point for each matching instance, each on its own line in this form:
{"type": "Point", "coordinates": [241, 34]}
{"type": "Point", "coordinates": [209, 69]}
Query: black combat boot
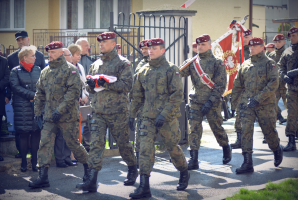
{"type": "Point", "coordinates": [246, 166]}
{"type": "Point", "coordinates": [227, 154]}
{"type": "Point", "coordinates": [193, 162]}
{"type": "Point", "coordinates": [90, 184]}
{"type": "Point", "coordinates": [291, 146]}
{"type": "Point", "coordinates": [264, 140]}
{"type": "Point", "coordinates": [237, 144]}
{"type": "Point", "coordinates": [278, 156]}
{"type": "Point", "coordinates": [86, 172]}
{"type": "Point", "coordinates": [143, 191]}
{"type": "Point", "coordinates": [132, 175]}
{"type": "Point", "coordinates": [137, 157]}
{"type": "Point", "coordinates": [280, 118]}
{"type": "Point", "coordinates": [42, 180]}
{"type": "Point", "coordinates": [183, 180]}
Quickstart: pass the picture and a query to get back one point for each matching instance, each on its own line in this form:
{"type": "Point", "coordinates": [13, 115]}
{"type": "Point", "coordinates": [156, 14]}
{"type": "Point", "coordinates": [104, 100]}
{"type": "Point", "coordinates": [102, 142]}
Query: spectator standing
{"type": "Point", "coordinates": [23, 79]}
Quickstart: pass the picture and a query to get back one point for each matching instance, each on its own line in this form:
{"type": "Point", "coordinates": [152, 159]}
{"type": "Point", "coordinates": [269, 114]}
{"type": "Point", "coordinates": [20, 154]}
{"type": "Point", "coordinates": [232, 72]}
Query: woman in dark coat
{"type": "Point", "coordinates": [23, 80]}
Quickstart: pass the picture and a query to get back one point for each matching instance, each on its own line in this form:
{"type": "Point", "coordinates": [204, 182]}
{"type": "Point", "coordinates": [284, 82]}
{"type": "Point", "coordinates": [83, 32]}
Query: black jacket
{"type": "Point", "coordinates": [4, 82]}
{"type": "Point", "coordinates": [13, 60]}
{"type": "Point", "coordinates": [23, 86]}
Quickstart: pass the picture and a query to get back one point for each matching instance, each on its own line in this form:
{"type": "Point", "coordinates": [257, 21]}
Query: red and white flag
{"type": "Point", "coordinates": [108, 79]}
{"type": "Point", "coordinates": [187, 3]}
{"type": "Point", "coordinates": [227, 48]}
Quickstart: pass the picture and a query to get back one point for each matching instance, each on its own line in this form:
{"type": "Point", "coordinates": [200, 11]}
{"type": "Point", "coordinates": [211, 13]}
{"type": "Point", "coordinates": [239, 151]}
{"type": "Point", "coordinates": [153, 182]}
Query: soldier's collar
{"type": "Point", "coordinates": [279, 51]}
{"type": "Point", "coordinates": [108, 56]}
{"type": "Point", "coordinates": [294, 47]}
{"type": "Point", "coordinates": [206, 54]}
{"type": "Point", "coordinates": [157, 62]}
{"type": "Point", "coordinates": [257, 57]}
{"type": "Point", "coordinates": [57, 63]}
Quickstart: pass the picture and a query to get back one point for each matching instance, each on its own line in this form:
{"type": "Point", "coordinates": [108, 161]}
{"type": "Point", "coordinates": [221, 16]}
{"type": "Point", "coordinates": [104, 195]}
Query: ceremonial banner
{"type": "Point", "coordinates": [226, 48]}
{"type": "Point", "coordinates": [108, 79]}
{"type": "Point", "coordinates": [187, 3]}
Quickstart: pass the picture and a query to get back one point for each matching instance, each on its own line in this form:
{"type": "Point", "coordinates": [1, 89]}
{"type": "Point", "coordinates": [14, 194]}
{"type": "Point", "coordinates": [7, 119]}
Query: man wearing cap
{"type": "Point", "coordinates": [145, 59]}
{"type": "Point", "coordinates": [269, 48]}
{"type": "Point", "coordinates": [22, 39]}
{"type": "Point", "coordinates": [58, 92]}
{"type": "Point", "coordinates": [109, 110]}
{"type": "Point", "coordinates": [194, 49]}
{"type": "Point", "coordinates": [255, 86]}
{"type": "Point", "coordinates": [279, 41]}
{"type": "Point", "coordinates": [206, 102]}
{"type": "Point", "coordinates": [288, 65]}
{"type": "Point", "coordinates": [158, 88]}
{"type": "Point", "coordinates": [247, 35]}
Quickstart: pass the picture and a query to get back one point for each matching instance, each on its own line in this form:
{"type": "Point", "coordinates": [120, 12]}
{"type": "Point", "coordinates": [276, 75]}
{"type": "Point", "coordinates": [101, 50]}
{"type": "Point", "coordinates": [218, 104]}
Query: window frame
{"type": "Point", "coordinates": [11, 15]}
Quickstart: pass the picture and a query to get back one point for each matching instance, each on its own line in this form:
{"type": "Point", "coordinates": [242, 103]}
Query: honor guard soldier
{"type": "Point", "coordinates": [269, 48]}
{"type": "Point", "coordinates": [288, 65]}
{"type": "Point", "coordinates": [205, 100]}
{"type": "Point", "coordinates": [58, 92]}
{"type": "Point", "coordinates": [247, 35]}
{"type": "Point", "coordinates": [145, 59]}
{"type": "Point", "coordinates": [255, 85]}
{"type": "Point", "coordinates": [279, 41]}
{"type": "Point", "coordinates": [109, 109]}
{"type": "Point", "coordinates": [158, 88]}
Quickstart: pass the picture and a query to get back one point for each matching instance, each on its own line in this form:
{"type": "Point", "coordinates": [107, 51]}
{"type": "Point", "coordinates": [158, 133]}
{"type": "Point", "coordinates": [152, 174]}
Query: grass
{"type": "Point", "coordinates": [286, 190]}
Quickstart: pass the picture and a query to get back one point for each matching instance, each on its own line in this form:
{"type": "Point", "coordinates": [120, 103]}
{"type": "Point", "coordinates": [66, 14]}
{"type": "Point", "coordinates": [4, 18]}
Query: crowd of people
{"type": "Point", "coordinates": [145, 98]}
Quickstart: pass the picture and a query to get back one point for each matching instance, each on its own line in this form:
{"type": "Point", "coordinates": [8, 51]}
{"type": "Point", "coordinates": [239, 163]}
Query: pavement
{"type": "Point", "coordinates": [212, 180]}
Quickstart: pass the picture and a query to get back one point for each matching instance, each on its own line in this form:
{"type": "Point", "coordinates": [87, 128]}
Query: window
{"type": "Point", "coordinates": [92, 14]}
{"type": "Point", "coordinates": [12, 15]}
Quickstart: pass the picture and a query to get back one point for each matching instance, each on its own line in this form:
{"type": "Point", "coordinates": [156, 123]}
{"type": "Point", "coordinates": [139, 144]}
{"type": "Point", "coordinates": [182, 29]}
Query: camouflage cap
{"type": "Point", "coordinates": [292, 30]}
{"type": "Point", "coordinates": [54, 45]}
{"type": "Point", "coordinates": [278, 37]}
{"type": "Point", "coordinates": [203, 38]}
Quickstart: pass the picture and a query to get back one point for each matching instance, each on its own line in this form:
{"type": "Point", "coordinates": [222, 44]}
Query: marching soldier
{"type": "Point", "coordinates": [109, 110]}
{"type": "Point", "coordinates": [194, 49]}
{"type": "Point", "coordinates": [158, 88]}
{"type": "Point", "coordinates": [58, 92]}
{"type": "Point", "coordinates": [255, 85]}
{"type": "Point", "coordinates": [269, 48]}
{"type": "Point", "coordinates": [247, 35]}
{"type": "Point", "coordinates": [279, 41]}
{"type": "Point", "coordinates": [288, 65]}
{"type": "Point", "coordinates": [206, 101]}
{"type": "Point", "coordinates": [144, 61]}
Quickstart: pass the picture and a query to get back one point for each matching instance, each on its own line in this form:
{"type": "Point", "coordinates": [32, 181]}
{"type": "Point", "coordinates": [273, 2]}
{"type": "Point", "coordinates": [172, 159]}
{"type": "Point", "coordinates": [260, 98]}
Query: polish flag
{"type": "Point", "coordinates": [187, 4]}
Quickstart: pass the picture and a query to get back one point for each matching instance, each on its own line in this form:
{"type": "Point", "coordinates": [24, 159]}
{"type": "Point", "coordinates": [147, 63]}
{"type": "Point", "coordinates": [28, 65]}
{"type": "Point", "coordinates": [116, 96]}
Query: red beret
{"type": "Point", "coordinates": [203, 38]}
{"type": "Point", "coordinates": [155, 42]}
{"type": "Point", "coordinates": [270, 45]}
{"type": "Point", "coordinates": [118, 46]}
{"type": "Point", "coordinates": [194, 45]}
{"type": "Point", "coordinates": [106, 36]}
{"type": "Point", "coordinates": [247, 32]}
{"type": "Point", "coordinates": [143, 43]}
{"type": "Point", "coordinates": [255, 41]}
{"type": "Point", "coordinates": [278, 37]}
{"type": "Point", "coordinates": [292, 30]}
{"type": "Point", "coordinates": [54, 45]}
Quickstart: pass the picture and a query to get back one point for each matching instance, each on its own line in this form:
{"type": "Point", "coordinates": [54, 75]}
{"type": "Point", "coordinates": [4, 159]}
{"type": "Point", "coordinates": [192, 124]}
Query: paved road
{"type": "Point", "coordinates": [212, 180]}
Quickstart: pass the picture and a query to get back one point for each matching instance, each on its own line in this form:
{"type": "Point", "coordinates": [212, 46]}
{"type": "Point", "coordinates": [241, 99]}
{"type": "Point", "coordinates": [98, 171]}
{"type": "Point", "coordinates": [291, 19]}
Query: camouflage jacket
{"type": "Point", "coordinates": [258, 78]}
{"type": "Point", "coordinates": [158, 87]}
{"type": "Point", "coordinates": [216, 70]}
{"type": "Point", "coordinates": [58, 88]}
{"type": "Point", "coordinates": [246, 53]}
{"type": "Point", "coordinates": [275, 55]}
{"type": "Point", "coordinates": [114, 99]}
{"type": "Point", "coordinates": [267, 53]}
{"type": "Point", "coordinates": [287, 63]}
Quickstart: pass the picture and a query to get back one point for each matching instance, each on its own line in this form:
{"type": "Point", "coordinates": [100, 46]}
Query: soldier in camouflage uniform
{"type": "Point", "coordinates": [279, 41]}
{"type": "Point", "coordinates": [288, 65]}
{"type": "Point", "coordinates": [269, 48]}
{"type": "Point", "coordinates": [247, 35]}
{"type": "Point", "coordinates": [158, 88]}
{"type": "Point", "coordinates": [255, 85]}
{"type": "Point", "coordinates": [58, 92]}
{"type": "Point", "coordinates": [194, 49]}
{"type": "Point", "coordinates": [144, 61]}
{"type": "Point", "coordinates": [109, 110]}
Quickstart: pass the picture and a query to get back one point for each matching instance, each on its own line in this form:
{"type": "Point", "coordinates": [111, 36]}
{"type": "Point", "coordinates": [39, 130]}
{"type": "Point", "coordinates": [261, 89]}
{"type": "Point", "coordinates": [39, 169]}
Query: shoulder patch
{"type": "Point", "coordinates": [73, 72]}
{"type": "Point", "coordinates": [273, 65]}
{"type": "Point", "coordinates": [177, 73]}
{"type": "Point", "coordinates": [222, 64]}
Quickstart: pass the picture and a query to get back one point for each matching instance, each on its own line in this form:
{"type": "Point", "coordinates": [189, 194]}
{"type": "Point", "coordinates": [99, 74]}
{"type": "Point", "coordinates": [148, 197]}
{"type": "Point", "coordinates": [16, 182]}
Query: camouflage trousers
{"type": "Point", "coordinates": [280, 94]}
{"type": "Point", "coordinates": [292, 104]}
{"type": "Point", "coordinates": [267, 120]}
{"type": "Point", "coordinates": [118, 127]}
{"type": "Point", "coordinates": [170, 135]}
{"type": "Point", "coordinates": [215, 121]}
{"type": "Point", "coordinates": [137, 131]}
{"type": "Point", "coordinates": [237, 124]}
{"type": "Point", "coordinates": [70, 133]}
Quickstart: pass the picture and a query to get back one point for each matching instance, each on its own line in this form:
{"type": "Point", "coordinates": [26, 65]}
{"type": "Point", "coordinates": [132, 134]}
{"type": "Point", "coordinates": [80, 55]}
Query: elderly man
{"type": "Point", "coordinates": [58, 92]}
{"type": "Point", "coordinates": [255, 86]}
{"type": "Point", "coordinates": [22, 39]}
{"type": "Point", "coordinates": [288, 65]}
{"type": "Point", "coordinates": [109, 110]}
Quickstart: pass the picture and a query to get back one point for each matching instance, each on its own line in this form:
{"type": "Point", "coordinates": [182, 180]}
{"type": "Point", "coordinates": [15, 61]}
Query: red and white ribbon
{"type": "Point", "coordinates": [108, 79]}
{"type": "Point", "coordinates": [206, 80]}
